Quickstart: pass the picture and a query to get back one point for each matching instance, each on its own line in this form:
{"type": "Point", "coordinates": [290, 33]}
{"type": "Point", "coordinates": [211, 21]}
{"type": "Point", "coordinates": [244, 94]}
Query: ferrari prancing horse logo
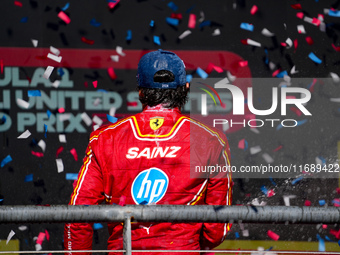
{"type": "Point", "coordinates": [156, 122]}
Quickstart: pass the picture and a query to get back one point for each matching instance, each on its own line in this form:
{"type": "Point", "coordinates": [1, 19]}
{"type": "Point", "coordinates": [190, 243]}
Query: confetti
{"type": "Point", "coordinates": [314, 58]}
{"type": "Point", "coordinates": [264, 190]}
{"type": "Point", "coordinates": [119, 50]}
{"type": "Point", "coordinates": [308, 203]}
{"type": "Point", "coordinates": [300, 15]}
{"type": "Point", "coordinates": [95, 23]}
{"type": "Point", "coordinates": [253, 10]}
{"type": "Point", "coordinates": [47, 235]}
{"type": "Point", "coordinates": [97, 226]}
{"type": "Point", "coordinates": [336, 100]}
{"type": "Point", "coordinates": [273, 235]}
{"type": "Point", "coordinates": [67, 5]}
{"type": "Point", "coordinates": [112, 73]}
{"type": "Point", "coordinates": [335, 77]}
{"type": "Point", "coordinates": [243, 144]}
{"type": "Point", "coordinates": [267, 33]}
{"type": "Point", "coordinates": [192, 21]}
{"type": "Point", "coordinates": [113, 3]}
{"type": "Point", "coordinates": [173, 6]}
{"type": "Point", "coordinates": [34, 93]}
{"type": "Point", "coordinates": [296, 6]}
{"type": "Point", "coordinates": [172, 21]}
{"type": "Point", "coordinates": [87, 41]}
{"type": "Point", "coordinates": [5, 161]}
{"type": "Point", "coordinates": [41, 238]}
{"type": "Point", "coordinates": [293, 70]}
{"type": "Point", "coordinates": [56, 84]}
{"type": "Point", "coordinates": [212, 67]}
{"type": "Point", "coordinates": [59, 150]}
{"type": "Point", "coordinates": [34, 42]}
{"type": "Point", "coordinates": [114, 58]}
{"type": "Point", "coordinates": [86, 119]}
{"type": "Point", "coordinates": [111, 118]}
{"type": "Point", "coordinates": [62, 138]}
{"type": "Point", "coordinates": [309, 40]}
{"type": "Point", "coordinates": [42, 145]}
{"type": "Point", "coordinates": [255, 150]}
{"type": "Point", "coordinates": [336, 202]}
{"type": "Point", "coordinates": [321, 243]}
{"type": "Point", "coordinates": [247, 26]}
{"type": "Point", "coordinates": [334, 13]}
{"type": "Point", "coordinates": [251, 42]}
{"type": "Point", "coordinates": [54, 57]}
{"type": "Point", "coordinates": [71, 176]}
{"type": "Point", "coordinates": [152, 23]}
{"type": "Point", "coordinates": [97, 120]}
{"type": "Point", "coordinates": [64, 17]}
{"type": "Point", "coordinates": [48, 72]}
{"type": "Point", "coordinates": [95, 83]}
{"type": "Point", "coordinates": [322, 202]}
{"type": "Point", "coordinates": [201, 73]}
{"type": "Point", "coordinates": [17, 3]}
{"type": "Point", "coordinates": [74, 154]}
{"type": "Point", "coordinates": [10, 235]}
{"type": "Point", "coordinates": [184, 34]}
{"type": "Point", "coordinates": [24, 135]}
{"type": "Point", "coordinates": [301, 29]}
{"type": "Point", "coordinates": [56, 52]}
{"type": "Point", "coordinates": [188, 78]}
{"type": "Point", "coordinates": [202, 17]}
{"type": "Point", "coordinates": [45, 129]}
{"type": "Point", "coordinates": [267, 158]}
{"type": "Point", "coordinates": [205, 23]}
{"type": "Point", "coordinates": [28, 178]}
{"type": "Point", "coordinates": [60, 165]}
{"type": "Point", "coordinates": [22, 103]}
{"type": "Point", "coordinates": [156, 40]}
{"type": "Point", "coordinates": [216, 32]}
{"type": "Point", "coordinates": [243, 63]}
{"type": "Point", "coordinates": [128, 35]}
{"type": "Point", "coordinates": [24, 20]}
{"type": "Point", "coordinates": [297, 180]}
{"type": "Point", "coordinates": [22, 228]}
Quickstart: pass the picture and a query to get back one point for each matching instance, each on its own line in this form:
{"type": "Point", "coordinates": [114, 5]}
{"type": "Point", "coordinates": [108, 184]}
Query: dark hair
{"type": "Point", "coordinates": [169, 98]}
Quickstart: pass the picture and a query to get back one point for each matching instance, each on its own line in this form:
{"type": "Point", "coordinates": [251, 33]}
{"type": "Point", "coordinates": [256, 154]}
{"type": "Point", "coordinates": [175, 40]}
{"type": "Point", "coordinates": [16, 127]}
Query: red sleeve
{"type": "Point", "coordinates": [219, 192]}
{"type": "Point", "coordinates": [88, 190]}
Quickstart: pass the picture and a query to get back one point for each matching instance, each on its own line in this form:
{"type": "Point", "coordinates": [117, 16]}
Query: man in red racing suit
{"type": "Point", "coordinates": [158, 156]}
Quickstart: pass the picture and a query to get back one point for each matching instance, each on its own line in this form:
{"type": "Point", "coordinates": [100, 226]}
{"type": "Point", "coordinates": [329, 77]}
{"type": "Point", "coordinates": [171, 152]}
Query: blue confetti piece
{"type": "Point", "coordinates": [282, 74]}
{"type": "Point", "coordinates": [205, 23]}
{"type": "Point", "coordinates": [173, 6]}
{"type": "Point", "coordinates": [61, 72]}
{"type": "Point", "coordinates": [156, 40]}
{"type": "Point", "coordinates": [267, 58]}
{"type": "Point", "coordinates": [6, 161]}
{"type": "Point", "coordinates": [34, 93]}
{"type": "Point", "coordinates": [48, 113]}
{"type": "Point", "coordinates": [189, 78]}
{"type": "Point", "coordinates": [334, 13]}
{"type": "Point", "coordinates": [339, 242]}
{"type": "Point", "coordinates": [172, 21]}
{"type": "Point", "coordinates": [323, 160]}
{"type": "Point", "coordinates": [201, 73]}
{"type": "Point", "coordinates": [3, 119]}
{"type": "Point", "coordinates": [65, 7]}
{"type": "Point", "coordinates": [45, 128]}
{"type": "Point", "coordinates": [97, 226]}
{"type": "Point", "coordinates": [24, 20]}
{"type": "Point", "coordinates": [322, 202]}
{"type": "Point", "coordinates": [245, 145]}
{"type": "Point", "coordinates": [102, 90]}
{"type": "Point", "coordinates": [264, 190]}
{"type": "Point", "coordinates": [71, 176]}
{"type": "Point", "coordinates": [247, 26]}
{"type": "Point", "coordinates": [297, 180]}
{"type": "Point", "coordinates": [270, 248]}
{"type": "Point", "coordinates": [330, 240]}
{"type": "Point", "coordinates": [314, 58]}
{"type": "Point", "coordinates": [1, 199]}
{"type": "Point", "coordinates": [190, 8]}
{"type": "Point", "coordinates": [237, 235]}
{"type": "Point", "coordinates": [29, 178]}
{"type": "Point", "coordinates": [129, 35]}
{"type": "Point", "coordinates": [321, 243]}
{"type": "Point", "coordinates": [336, 202]}
{"type": "Point", "coordinates": [152, 23]}
{"type": "Point", "coordinates": [301, 122]}
{"type": "Point", "coordinates": [95, 23]}
{"type": "Point", "coordinates": [272, 181]}
{"type": "Point", "coordinates": [111, 118]}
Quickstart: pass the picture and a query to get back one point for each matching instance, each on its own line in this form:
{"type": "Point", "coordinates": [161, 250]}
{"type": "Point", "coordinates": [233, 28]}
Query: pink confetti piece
{"type": "Point", "coordinates": [241, 144]}
{"type": "Point", "coordinates": [59, 150]}
{"type": "Point", "coordinates": [308, 203]}
{"type": "Point", "coordinates": [64, 17]}
{"type": "Point", "coordinates": [335, 233]}
{"type": "Point", "coordinates": [316, 22]}
{"type": "Point", "coordinates": [296, 6]}
{"type": "Point", "coordinates": [112, 73]}
{"type": "Point", "coordinates": [296, 111]}
{"type": "Point", "coordinates": [273, 235]}
{"type": "Point", "coordinates": [41, 238]}
{"type": "Point", "coordinates": [336, 202]}
{"type": "Point", "coordinates": [324, 226]}
{"type": "Point", "coordinates": [337, 48]}
{"type": "Point", "coordinates": [176, 15]}
{"type": "Point", "coordinates": [37, 154]}
{"type": "Point", "coordinates": [300, 15]}
{"type": "Point", "coordinates": [17, 3]}
{"type": "Point", "coordinates": [2, 66]}
{"type": "Point", "coordinates": [278, 148]}
{"type": "Point", "coordinates": [61, 110]}
{"type": "Point", "coordinates": [113, 4]}
{"type": "Point", "coordinates": [243, 63]}
{"type": "Point", "coordinates": [192, 21]}
{"type": "Point", "coordinates": [122, 200]}
{"type": "Point", "coordinates": [95, 83]}
{"type": "Point", "coordinates": [253, 10]}
{"type": "Point", "coordinates": [295, 44]}
{"type": "Point", "coordinates": [74, 154]}
{"type": "Point", "coordinates": [212, 67]}
{"type": "Point", "coordinates": [47, 235]}
{"type": "Point", "coordinates": [132, 104]}
{"type": "Point", "coordinates": [270, 193]}
{"type": "Point", "coordinates": [87, 41]}
{"type": "Point", "coordinates": [276, 72]}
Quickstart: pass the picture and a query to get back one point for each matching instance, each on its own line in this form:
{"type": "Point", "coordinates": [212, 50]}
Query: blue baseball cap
{"type": "Point", "coordinates": [155, 61]}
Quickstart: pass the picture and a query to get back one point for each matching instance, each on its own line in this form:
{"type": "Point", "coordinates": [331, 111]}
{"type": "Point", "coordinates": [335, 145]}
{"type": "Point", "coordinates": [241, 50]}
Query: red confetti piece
{"type": "Point", "coordinates": [276, 72]}
{"type": "Point", "coordinates": [243, 63]}
{"type": "Point", "coordinates": [47, 235]}
{"type": "Point", "coordinates": [311, 88]}
{"type": "Point", "coordinates": [74, 154]}
{"type": "Point", "coordinates": [64, 17]}
{"type": "Point", "coordinates": [2, 66]}
{"type": "Point", "coordinates": [270, 193]}
{"type": "Point", "coordinates": [59, 150]}
{"type": "Point", "coordinates": [338, 190]}
{"type": "Point", "coordinates": [324, 226]}
{"type": "Point", "coordinates": [316, 21]}
{"type": "Point", "coordinates": [273, 235]}
{"type": "Point", "coordinates": [192, 21]}
{"type": "Point", "coordinates": [278, 148]}
{"type": "Point", "coordinates": [336, 202]}
{"type": "Point", "coordinates": [284, 44]}
{"type": "Point", "coordinates": [85, 84]}
{"type": "Point", "coordinates": [241, 144]}
{"type": "Point", "coordinates": [112, 73]}
{"type": "Point", "coordinates": [131, 103]}
{"type": "Point", "coordinates": [337, 48]}
{"type": "Point", "coordinates": [41, 238]}
{"type": "Point", "coordinates": [17, 3]}
{"type": "Point", "coordinates": [176, 15]}
{"type": "Point", "coordinates": [296, 111]}
{"type": "Point", "coordinates": [300, 15]}
{"type": "Point", "coordinates": [61, 110]}
{"type": "Point", "coordinates": [335, 233]}
{"type": "Point", "coordinates": [37, 154]}
{"type": "Point", "coordinates": [113, 4]}
{"type": "Point", "coordinates": [95, 83]}
{"type": "Point", "coordinates": [122, 201]}
{"type": "Point", "coordinates": [88, 41]}
{"type": "Point", "coordinates": [244, 41]}
{"type": "Point", "coordinates": [296, 6]}
{"type": "Point", "coordinates": [309, 40]}
{"type": "Point", "coordinates": [308, 203]}
{"type": "Point", "coordinates": [295, 44]}
{"type": "Point", "coordinates": [253, 10]}
{"type": "Point", "coordinates": [212, 67]}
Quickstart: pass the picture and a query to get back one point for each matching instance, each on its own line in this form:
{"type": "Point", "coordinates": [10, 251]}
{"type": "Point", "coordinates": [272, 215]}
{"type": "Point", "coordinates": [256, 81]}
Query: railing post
{"type": "Point", "coordinates": [127, 235]}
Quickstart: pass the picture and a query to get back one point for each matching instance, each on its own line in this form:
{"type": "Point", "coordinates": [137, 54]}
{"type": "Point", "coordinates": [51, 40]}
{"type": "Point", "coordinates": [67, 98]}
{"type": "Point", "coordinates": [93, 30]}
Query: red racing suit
{"type": "Point", "coordinates": [158, 156]}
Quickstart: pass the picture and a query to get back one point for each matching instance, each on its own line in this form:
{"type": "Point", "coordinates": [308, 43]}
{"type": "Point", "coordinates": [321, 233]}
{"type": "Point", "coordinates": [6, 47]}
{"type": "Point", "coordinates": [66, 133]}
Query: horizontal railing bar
{"type": "Point", "coordinates": [170, 213]}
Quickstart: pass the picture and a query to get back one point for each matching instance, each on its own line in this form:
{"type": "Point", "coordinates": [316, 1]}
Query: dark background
{"type": "Point", "coordinates": [300, 145]}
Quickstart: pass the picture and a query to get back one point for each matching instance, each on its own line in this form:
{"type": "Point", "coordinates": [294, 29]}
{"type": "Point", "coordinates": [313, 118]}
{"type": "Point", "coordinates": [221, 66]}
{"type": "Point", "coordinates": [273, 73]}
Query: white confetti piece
{"type": "Point", "coordinates": [60, 165]}
{"type": "Point", "coordinates": [95, 127]}
{"type": "Point", "coordinates": [335, 77]}
{"type": "Point", "coordinates": [267, 158]}
{"type": "Point", "coordinates": [10, 235]}
{"type": "Point", "coordinates": [38, 247]}
{"type": "Point", "coordinates": [293, 70]}
{"type": "Point", "coordinates": [48, 72]}
{"type": "Point", "coordinates": [22, 103]}
{"type": "Point", "coordinates": [62, 138]}
{"type": "Point", "coordinates": [308, 20]}
{"type": "Point", "coordinates": [231, 77]}
{"type": "Point", "coordinates": [267, 33]}
{"type": "Point", "coordinates": [301, 29]}
{"type": "Point", "coordinates": [120, 51]}
{"type": "Point", "coordinates": [24, 135]}
{"type": "Point", "coordinates": [114, 58]}
{"type": "Point", "coordinates": [64, 116]}
{"type": "Point", "coordinates": [335, 100]}
{"type": "Point", "coordinates": [34, 42]}
{"type": "Point", "coordinates": [97, 120]}
{"type": "Point", "coordinates": [55, 51]}
{"type": "Point", "coordinates": [225, 126]}
{"type": "Point", "coordinates": [184, 34]}
{"type": "Point", "coordinates": [289, 42]}
{"type": "Point", "coordinates": [255, 149]}
{"type": "Point", "coordinates": [86, 119]}
{"type": "Point", "coordinates": [245, 232]}
{"type": "Point", "coordinates": [112, 111]}
{"type": "Point", "coordinates": [22, 228]}
{"type": "Point", "coordinates": [216, 32]}
{"type": "Point", "coordinates": [97, 101]}
{"type": "Point", "coordinates": [286, 199]}
{"type": "Point", "coordinates": [253, 43]}
{"type": "Point", "coordinates": [272, 66]}
{"type": "Point", "coordinates": [56, 84]}
{"type": "Point", "coordinates": [255, 130]}
{"type": "Point", "coordinates": [54, 57]}
{"type": "Point", "coordinates": [42, 145]}
{"type": "Point", "coordinates": [322, 27]}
